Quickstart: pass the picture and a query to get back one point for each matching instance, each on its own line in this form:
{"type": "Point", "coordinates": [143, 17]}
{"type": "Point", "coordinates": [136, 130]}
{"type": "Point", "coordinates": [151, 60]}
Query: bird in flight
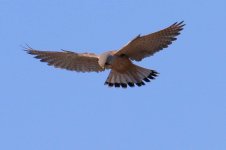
{"type": "Point", "coordinates": [123, 72]}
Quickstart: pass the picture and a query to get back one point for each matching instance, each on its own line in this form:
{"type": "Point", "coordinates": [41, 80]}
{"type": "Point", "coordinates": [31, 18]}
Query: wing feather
{"type": "Point", "coordinates": [80, 62]}
{"type": "Point", "coordinates": [144, 46]}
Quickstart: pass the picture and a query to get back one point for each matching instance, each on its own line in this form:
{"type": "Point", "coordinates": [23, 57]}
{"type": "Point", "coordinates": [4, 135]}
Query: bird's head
{"type": "Point", "coordinates": [105, 59]}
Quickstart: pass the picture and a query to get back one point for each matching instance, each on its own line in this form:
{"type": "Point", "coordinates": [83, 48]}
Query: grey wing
{"type": "Point", "coordinates": [147, 45]}
{"type": "Point", "coordinates": [80, 62]}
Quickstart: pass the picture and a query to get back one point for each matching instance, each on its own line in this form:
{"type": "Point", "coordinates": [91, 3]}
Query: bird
{"type": "Point", "coordinates": [123, 72]}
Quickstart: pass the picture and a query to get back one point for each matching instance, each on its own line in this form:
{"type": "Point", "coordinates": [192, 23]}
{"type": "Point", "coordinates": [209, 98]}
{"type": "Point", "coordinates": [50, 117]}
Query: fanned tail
{"type": "Point", "coordinates": [136, 75]}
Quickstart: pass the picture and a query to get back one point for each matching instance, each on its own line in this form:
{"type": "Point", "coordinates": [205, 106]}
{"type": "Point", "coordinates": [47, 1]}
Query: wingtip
{"type": "Point", "coordinates": [27, 48]}
{"type": "Point", "coordinates": [181, 24]}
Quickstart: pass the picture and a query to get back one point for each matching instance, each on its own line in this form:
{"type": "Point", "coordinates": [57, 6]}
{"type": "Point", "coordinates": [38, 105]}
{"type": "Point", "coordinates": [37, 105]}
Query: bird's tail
{"type": "Point", "coordinates": [136, 75]}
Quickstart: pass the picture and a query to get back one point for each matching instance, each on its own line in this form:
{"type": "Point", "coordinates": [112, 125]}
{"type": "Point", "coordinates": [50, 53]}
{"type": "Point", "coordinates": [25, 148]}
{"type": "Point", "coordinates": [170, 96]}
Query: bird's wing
{"type": "Point", "coordinates": [147, 45]}
{"type": "Point", "coordinates": [80, 62]}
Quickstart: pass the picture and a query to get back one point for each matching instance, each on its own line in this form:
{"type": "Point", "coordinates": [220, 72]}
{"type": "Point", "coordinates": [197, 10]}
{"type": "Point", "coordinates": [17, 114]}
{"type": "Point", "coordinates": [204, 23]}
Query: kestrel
{"type": "Point", "coordinates": [123, 72]}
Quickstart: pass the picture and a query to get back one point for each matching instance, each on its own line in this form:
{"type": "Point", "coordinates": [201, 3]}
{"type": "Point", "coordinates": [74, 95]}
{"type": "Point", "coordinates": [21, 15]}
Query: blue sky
{"type": "Point", "coordinates": [43, 108]}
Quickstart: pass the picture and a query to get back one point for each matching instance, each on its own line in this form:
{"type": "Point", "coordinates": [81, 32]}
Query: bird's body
{"type": "Point", "coordinates": [120, 64]}
{"type": "Point", "coordinates": [123, 72]}
{"type": "Point", "coordinates": [115, 62]}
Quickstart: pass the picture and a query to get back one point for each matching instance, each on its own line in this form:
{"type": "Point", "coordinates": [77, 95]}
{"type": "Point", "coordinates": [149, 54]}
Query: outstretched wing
{"type": "Point", "coordinates": [80, 62]}
{"type": "Point", "coordinates": [147, 45]}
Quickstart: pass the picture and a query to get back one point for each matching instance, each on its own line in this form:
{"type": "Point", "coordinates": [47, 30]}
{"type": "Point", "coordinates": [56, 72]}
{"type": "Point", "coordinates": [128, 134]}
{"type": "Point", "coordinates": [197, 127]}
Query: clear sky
{"type": "Point", "coordinates": [43, 108]}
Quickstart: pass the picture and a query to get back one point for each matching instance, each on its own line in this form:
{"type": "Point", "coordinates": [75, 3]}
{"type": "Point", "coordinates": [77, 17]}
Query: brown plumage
{"type": "Point", "coordinates": [123, 72]}
{"type": "Point", "coordinates": [80, 62]}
